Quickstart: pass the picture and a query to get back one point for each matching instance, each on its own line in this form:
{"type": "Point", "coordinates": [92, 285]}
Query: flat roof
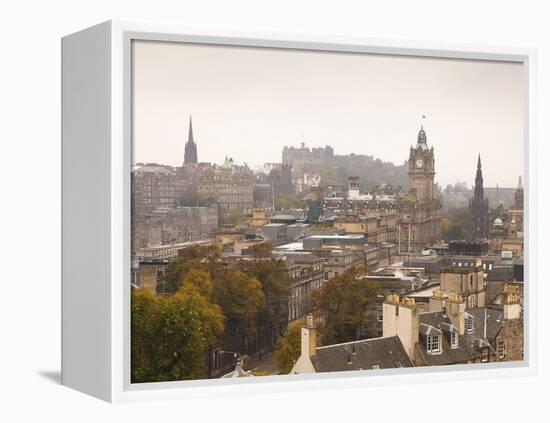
{"type": "Point", "coordinates": [335, 236]}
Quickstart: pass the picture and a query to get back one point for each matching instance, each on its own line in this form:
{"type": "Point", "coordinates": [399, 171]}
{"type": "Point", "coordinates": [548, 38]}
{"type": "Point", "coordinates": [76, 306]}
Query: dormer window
{"type": "Point", "coordinates": [469, 323]}
{"type": "Point", "coordinates": [501, 351]}
{"type": "Point", "coordinates": [453, 339]}
{"type": "Point", "coordinates": [433, 343]}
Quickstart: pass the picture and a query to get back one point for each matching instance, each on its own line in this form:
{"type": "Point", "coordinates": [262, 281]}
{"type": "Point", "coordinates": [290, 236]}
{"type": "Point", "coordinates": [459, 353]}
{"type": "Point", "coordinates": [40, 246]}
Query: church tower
{"type": "Point", "coordinates": [190, 146]}
{"type": "Point", "coordinates": [479, 205]}
{"type": "Point", "coordinates": [518, 196]}
{"type": "Point", "coordinates": [422, 169]}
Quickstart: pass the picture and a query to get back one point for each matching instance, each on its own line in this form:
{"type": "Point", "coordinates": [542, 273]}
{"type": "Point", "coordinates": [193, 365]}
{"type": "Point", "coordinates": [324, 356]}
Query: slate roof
{"type": "Point", "coordinates": [501, 273]}
{"type": "Point", "coordinates": [495, 318]}
{"type": "Point", "coordinates": [386, 353]}
{"type": "Point", "coordinates": [440, 321]}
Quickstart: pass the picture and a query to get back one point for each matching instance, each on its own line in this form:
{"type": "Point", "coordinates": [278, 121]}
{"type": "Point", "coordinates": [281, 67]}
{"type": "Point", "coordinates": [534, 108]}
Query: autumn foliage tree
{"type": "Point", "coordinates": [275, 283]}
{"type": "Point", "coordinates": [170, 335]}
{"type": "Point", "coordinates": [288, 348]}
{"type": "Point", "coordinates": [342, 302]}
{"type": "Point", "coordinates": [241, 299]}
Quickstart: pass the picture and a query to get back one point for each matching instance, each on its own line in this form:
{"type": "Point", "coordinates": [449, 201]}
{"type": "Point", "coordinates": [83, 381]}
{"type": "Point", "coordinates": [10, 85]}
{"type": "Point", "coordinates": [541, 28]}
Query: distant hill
{"type": "Point", "coordinates": [371, 171]}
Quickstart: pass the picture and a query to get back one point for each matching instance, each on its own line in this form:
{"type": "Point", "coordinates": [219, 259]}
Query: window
{"type": "Point", "coordinates": [326, 276]}
{"type": "Point", "coordinates": [454, 339]}
{"type": "Point", "coordinates": [434, 343]}
{"type": "Point", "coordinates": [485, 355]}
{"type": "Point", "coordinates": [469, 325]}
{"type": "Point", "coordinates": [500, 349]}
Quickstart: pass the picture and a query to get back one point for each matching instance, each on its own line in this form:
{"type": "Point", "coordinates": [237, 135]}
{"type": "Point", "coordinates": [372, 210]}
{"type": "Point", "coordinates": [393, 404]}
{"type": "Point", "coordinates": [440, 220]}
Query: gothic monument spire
{"type": "Point", "coordinates": [480, 205]}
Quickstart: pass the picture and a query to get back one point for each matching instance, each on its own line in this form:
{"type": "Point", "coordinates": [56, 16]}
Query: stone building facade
{"type": "Point", "coordinates": [306, 275]}
{"type": "Point", "coordinates": [153, 186]}
{"type": "Point", "coordinates": [173, 226]}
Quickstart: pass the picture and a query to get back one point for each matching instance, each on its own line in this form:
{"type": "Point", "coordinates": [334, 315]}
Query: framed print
{"type": "Point", "coordinates": [245, 210]}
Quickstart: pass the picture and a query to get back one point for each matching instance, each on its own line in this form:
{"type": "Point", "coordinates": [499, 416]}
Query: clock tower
{"type": "Point", "coordinates": [422, 169]}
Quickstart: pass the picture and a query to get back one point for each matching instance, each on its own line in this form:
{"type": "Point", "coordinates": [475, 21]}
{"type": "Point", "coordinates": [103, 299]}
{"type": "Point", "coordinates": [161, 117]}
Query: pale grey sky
{"type": "Point", "coordinates": [250, 102]}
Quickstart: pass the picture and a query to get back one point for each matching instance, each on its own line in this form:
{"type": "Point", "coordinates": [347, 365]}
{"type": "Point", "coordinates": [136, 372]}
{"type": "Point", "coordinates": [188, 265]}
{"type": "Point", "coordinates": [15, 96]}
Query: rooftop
{"type": "Point", "coordinates": [376, 353]}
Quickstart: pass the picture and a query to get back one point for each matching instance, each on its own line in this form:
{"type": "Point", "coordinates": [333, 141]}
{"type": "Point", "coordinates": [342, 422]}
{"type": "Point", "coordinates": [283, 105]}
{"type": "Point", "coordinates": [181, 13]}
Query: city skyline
{"type": "Point", "coordinates": [167, 93]}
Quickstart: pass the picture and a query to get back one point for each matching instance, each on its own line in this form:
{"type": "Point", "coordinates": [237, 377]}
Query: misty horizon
{"type": "Point", "coordinates": [357, 103]}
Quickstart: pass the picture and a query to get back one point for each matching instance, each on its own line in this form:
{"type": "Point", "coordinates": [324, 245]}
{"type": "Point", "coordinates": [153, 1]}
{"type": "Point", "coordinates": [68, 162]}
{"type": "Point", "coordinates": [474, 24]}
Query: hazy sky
{"type": "Point", "coordinates": [250, 102]}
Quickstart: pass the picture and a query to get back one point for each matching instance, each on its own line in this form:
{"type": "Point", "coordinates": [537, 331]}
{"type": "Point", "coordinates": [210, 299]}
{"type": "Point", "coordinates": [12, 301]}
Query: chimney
{"type": "Point", "coordinates": [308, 349]}
{"type": "Point", "coordinates": [512, 304]}
{"type": "Point", "coordinates": [309, 338]}
{"type": "Point", "coordinates": [437, 301]}
{"type": "Point", "coordinates": [455, 308]}
{"type": "Point", "coordinates": [401, 319]}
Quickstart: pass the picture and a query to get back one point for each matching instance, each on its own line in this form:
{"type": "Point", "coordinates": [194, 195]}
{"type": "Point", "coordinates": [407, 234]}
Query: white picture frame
{"type": "Point", "coordinates": [96, 156]}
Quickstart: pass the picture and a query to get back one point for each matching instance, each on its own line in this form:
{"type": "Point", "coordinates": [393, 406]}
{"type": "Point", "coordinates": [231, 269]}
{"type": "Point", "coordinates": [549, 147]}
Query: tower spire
{"type": "Point", "coordinates": [479, 204]}
{"type": "Point", "coordinates": [190, 137]}
{"type": "Point", "coordinates": [190, 146]}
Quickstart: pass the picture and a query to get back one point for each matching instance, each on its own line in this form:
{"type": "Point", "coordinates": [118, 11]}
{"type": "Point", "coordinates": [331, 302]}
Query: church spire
{"type": "Point", "coordinates": [190, 137]}
{"type": "Point", "coordinates": [190, 146]}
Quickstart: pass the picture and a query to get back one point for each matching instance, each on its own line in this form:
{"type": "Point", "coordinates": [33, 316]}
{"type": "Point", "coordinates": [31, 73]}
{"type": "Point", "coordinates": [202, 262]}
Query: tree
{"type": "Point", "coordinates": [262, 250]}
{"type": "Point", "coordinates": [288, 348]}
{"type": "Point", "coordinates": [200, 280]}
{"type": "Point", "coordinates": [275, 283]}
{"type": "Point", "coordinates": [286, 202]}
{"type": "Point", "coordinates": [170, 335]}
{"type": "Point", "coordinates": [234, 217]}
{"type": "Point", "coordinates": [342, 302]}
{"type": "Point", "coordinates": [461, 224]}
{"type": "Point", "coordinates": [451, 231]}
{"type": "Point", "coordinates": [202, 257]}
{"type": "Point", "coordinates": [240, 297]}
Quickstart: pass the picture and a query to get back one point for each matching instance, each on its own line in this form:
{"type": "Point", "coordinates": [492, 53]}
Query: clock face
{"type": "Point", "coordinates": [419, 162]}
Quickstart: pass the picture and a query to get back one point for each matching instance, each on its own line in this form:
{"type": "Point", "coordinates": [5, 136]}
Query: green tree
{"type": "Point", "coordinates": [286, 202]}
{"type": "Point", "coordinates": [342, 302]}
{"type": "Point", "coordinates": [275, 283]}
{"type": "Point", "coordinates": [170, 335]}
{"type": "Point", "coordinates": [451, 231]}
{"type": "Point", "coordinates": [459, 225]}
{"type": "Point", "coordinates": [234, 217]}
{"type": "Point", "coordinates": [241, 298]}
{"type": "Point", "coordinates": [288, 348]}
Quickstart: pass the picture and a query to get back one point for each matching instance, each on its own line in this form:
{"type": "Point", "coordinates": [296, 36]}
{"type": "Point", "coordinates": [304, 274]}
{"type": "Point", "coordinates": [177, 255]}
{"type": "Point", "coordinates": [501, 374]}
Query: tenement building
{"type": "Point", "coordinates": [173, 226]}
{"type": "Point", "coordinates": [153, 187]}
{"type": "Point", "coordinates": [229, 186]}
{"type": "Point", "coordinates": [479, 205]}
{"type": "Point", "coordinates": [419, 222]}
